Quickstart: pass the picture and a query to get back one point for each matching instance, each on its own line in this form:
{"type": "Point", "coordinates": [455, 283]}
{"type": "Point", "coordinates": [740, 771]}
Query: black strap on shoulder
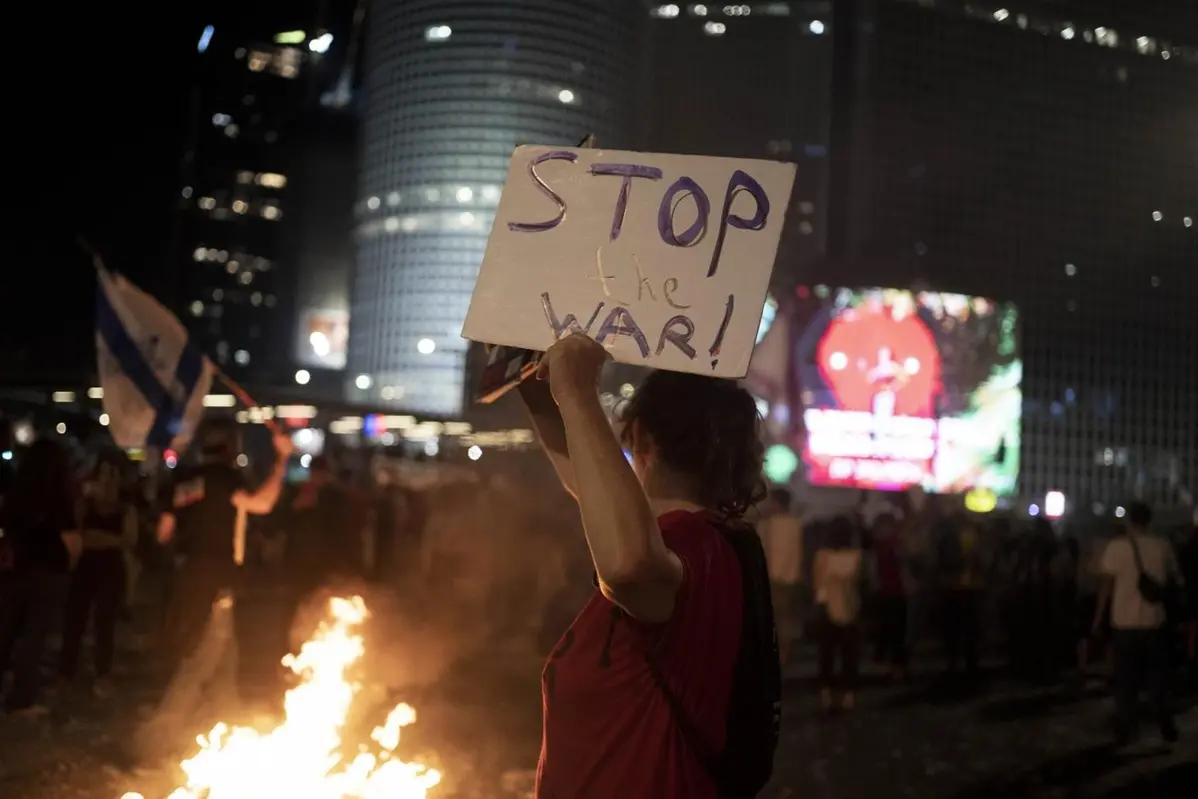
{"type": "Point", "coordinates": [1135, 551]}
{"type": "Point", "coordinates": [689, 732]}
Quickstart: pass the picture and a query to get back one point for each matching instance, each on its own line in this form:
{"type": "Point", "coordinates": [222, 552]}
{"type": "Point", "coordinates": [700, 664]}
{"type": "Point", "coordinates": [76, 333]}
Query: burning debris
{"type": "Point", "coordinates": [301, 758]}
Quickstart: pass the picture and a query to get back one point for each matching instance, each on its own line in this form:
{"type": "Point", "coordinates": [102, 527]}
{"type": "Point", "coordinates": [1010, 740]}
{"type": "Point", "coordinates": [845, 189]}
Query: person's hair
{"type": "Point", "coordinates": [219, 440]}
{"type": "Point", "coordinates": [782, 497]}
{"type": "Point", "coordinates": [840, 533]}
{"type": "Point", "coordinates": [885, 523]}
{"type": "Point", "coordinates": [44, 483]}
{"type": "Point", "coordinates": [706, 432]}
{"type": "Point", "coordinates": [1139, 515]}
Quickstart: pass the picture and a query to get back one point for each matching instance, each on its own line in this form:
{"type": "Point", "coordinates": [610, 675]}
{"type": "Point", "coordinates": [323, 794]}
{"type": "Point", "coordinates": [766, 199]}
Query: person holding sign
{"type": "Point", "coordinates": [667, 684]}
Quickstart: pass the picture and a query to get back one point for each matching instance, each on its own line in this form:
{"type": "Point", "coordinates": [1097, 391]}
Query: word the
{"type": "Point", "coordinates": [644, 285]}
{"type": "Point", "coordinates": [681, 189]}
{"type": "Point", "coordinates": [678, 330]}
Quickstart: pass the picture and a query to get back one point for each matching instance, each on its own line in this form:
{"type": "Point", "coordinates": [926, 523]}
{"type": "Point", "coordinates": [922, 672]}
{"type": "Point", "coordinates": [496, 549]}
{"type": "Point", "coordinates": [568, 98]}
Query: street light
{"type": "Point", "coordinates": [302, 377]}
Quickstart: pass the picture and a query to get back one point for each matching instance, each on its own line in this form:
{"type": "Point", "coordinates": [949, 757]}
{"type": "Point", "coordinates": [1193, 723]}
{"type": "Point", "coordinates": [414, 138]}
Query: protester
{"type": "Point", "coordinates": [781, 533]}
{"type": "Point", "coordinates": [1139, 566]}
{"type": "Point", "coordinates": [891, 578]}
{"type": "Point", "coordinates": [39, 523]}
{"type": "Point", "coordinates": [205, 505]}
{"type": "Point", "coordinates": [1189, 571]}
{"type": "Point", "coordinates": [321, 544]}
{"type": "Point", "coordinates": [667, 683]}
{"type": "Point", "coordinates": [109, 528]}
{"type": "Point", "coordinates": [837, 583]}
{"type": "Point", "coordinates": [961, 568]}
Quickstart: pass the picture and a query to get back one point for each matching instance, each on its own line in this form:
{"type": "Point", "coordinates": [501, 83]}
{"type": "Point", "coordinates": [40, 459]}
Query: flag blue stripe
{"type": "Point", "coordinates": [125, 350]}
{"type": "Point", "coordinates": [169, 415]}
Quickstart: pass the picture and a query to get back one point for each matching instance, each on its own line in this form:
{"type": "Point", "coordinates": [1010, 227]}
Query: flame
{"type": "Point", "coordinates": [300, 758]}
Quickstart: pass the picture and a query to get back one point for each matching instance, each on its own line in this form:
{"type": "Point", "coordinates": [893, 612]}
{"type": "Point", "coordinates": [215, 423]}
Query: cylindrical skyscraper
{"type": "Point", "coordinates": [452, 86]}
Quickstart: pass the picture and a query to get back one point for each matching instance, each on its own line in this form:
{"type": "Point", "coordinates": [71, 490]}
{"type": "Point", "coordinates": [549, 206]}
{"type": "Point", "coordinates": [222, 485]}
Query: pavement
{"type": "Point", "coordinates": [932, 740]}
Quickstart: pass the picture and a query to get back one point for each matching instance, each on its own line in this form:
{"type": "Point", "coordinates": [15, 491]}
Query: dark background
{"type": "Point", "coordinates": [99, 96]}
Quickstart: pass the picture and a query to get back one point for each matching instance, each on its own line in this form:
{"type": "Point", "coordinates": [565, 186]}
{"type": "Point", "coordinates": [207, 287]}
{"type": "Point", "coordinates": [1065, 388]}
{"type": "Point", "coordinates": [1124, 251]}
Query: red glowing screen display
{"type": "Point", "coordinates": [899, 389]}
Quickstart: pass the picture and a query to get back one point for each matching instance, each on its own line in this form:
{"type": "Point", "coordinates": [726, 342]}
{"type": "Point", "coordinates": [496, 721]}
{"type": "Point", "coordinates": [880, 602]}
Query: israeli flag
{"type": "Point", "coordinates": [154, 379]}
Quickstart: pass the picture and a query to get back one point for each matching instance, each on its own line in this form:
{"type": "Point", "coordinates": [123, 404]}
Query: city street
{"type": "Point", "coordinates": [923, 741]}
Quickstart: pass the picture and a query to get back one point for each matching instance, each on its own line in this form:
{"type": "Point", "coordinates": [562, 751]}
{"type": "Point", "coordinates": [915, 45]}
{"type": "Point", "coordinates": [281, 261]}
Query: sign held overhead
{"type": "Point", "coordinates": [663, 259]}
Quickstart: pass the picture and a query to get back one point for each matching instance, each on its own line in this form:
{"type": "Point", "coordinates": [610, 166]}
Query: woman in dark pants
{"type": "Point", "coordinates": [39, 524]}
{"type": "Point", "coordinates": [97, 587]}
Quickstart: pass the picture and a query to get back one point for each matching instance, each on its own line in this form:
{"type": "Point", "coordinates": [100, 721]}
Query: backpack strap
{"type": "Point", "coordinates": [1135, 551]}
{"type": "Point", "coordinates": [689, 732]}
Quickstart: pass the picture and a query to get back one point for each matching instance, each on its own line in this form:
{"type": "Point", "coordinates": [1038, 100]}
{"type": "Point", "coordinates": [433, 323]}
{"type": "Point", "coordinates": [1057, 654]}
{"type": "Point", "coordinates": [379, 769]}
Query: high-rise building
{"type": "Point", "coordinates": [746, 80]}
{"type": "Point", "coordinates": [1048, 158]}
{"type": "Point", "coordinates": [452, 87]}
{"type": "Point", "coordinates": [251, 88]}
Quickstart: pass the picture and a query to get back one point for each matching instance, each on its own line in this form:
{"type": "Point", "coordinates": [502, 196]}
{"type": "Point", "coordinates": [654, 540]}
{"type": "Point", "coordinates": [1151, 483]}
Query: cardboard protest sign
{"type": "Point", "coordinates": [663, 259]}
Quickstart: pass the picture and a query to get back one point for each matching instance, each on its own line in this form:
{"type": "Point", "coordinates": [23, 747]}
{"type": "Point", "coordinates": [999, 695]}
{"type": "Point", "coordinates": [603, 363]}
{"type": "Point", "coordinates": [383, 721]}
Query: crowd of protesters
{"type": "Point", "coordinates": [1041, 603]}
{"type": "Point", "coordinates": [960, 590]}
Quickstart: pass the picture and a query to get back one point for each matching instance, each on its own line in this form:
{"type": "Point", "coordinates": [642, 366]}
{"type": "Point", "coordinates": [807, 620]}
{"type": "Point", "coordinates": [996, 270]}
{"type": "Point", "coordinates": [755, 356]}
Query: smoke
{"type": "Point", "coordinates": [501, 568]}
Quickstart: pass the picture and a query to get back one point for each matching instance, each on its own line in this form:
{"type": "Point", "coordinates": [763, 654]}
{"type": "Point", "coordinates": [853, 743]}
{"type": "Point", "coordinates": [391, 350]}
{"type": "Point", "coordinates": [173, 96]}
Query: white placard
{"type": "Point", "coordinates": [663, 259]}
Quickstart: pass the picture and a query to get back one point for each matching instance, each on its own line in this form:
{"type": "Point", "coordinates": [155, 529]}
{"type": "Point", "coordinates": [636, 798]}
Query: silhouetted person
{"type": "Point", "coordinates": [1139, 566]}
{"type": "Point", "coordinates": [39, 525]}
{"type": "Point", "coordinates": [97, 589]}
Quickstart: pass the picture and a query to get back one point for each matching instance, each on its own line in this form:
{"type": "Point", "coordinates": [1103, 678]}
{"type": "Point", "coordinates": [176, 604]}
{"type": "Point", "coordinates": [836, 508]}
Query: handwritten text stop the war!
{"type": "Point", "coordinates": [679, 329]}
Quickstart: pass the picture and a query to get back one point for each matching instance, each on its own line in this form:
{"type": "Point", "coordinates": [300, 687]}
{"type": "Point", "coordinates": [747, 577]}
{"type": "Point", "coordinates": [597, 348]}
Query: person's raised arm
{"type": "Point", "coordinates": [635, 568]}
{"type": "Point", "coordinates": [551, 432]}
{"type": "Point", "coordinates": [262, 500]}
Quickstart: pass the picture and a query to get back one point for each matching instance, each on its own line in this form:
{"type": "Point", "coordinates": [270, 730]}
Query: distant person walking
{"type": "Point", "coordinates": [781, 532]}
{"type": "Point", "coordinates": [1139, 567]}
{"type": "Point", "coordinates": [837, 582]}
{"type": "Point", "coordinates": [891, 579]}
{"type": "Point", "coordinates": [97, 587]}
{"type": "Point", "coordinates": [39, 525]}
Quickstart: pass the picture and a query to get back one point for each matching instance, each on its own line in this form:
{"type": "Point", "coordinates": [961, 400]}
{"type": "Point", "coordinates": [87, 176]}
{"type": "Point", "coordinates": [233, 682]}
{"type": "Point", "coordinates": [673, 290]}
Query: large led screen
{"type": "Point", "coordinates": [902, 389]}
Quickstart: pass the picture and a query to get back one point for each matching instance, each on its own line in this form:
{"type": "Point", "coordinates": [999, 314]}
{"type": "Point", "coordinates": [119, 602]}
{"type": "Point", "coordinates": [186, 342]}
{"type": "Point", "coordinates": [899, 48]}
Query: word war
{"type": "Point", "coordinates": [649, 254]}
{"type": "Point", "coordinates": [677, 331]}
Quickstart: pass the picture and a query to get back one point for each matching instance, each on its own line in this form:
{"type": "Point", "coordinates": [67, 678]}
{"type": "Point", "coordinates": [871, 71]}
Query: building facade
{"type": "Point", "coordinates": [1021, 154]}
{"type": "Point", "coordinates": [747, 80]}
{"type": "Point", "coordinates": [251, 90]}
{"type": "Point", "coordinates": [451, 88]}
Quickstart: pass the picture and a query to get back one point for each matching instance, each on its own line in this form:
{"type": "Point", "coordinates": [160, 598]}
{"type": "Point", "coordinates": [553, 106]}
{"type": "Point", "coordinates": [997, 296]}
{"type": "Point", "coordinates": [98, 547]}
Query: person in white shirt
{"type": "Point", "coordinates": [836, 579]}
{"type": "Point", "coordinates": [781, 533]}
{"type": "Point", "coordinates": [1138, 622]}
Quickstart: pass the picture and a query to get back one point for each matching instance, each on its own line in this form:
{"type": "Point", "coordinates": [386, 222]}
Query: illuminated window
{"type": "Point", "coordinates": [714, 28]}
{"type": "Point", "coordinates": [240, 206]}
{"type": "Point", "coordinates": [207, 203]}
{"type": "Point", "coordinates": [242, 357]}
{"type": "Point", "coordinates": [258, 61]}
{"type": "Point", "coordinates": [666, 12]}
{"type": "Point", "coordinates": [438, 33]}
{"type": "Point", "coordinates": [245, 177]}
{"type": "Point", "coordinates": [271, 212]}
{"type": "Point", "coordinates": [271, 180]}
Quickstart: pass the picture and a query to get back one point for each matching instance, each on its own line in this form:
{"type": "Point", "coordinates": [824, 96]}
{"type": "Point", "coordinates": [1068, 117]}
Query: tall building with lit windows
{"type": "Point", "coordinates": [452, 87]}
{"type": "Point", "coordinates": [251, 88]}
{"type": "Point", "coordinates": [1043, 153]}
{"type": "Point", "coordinates": [747, 80]}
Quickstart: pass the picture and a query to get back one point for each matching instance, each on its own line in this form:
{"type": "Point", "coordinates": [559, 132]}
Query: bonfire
{"type": "Point", "coordinates": [302, 758]}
